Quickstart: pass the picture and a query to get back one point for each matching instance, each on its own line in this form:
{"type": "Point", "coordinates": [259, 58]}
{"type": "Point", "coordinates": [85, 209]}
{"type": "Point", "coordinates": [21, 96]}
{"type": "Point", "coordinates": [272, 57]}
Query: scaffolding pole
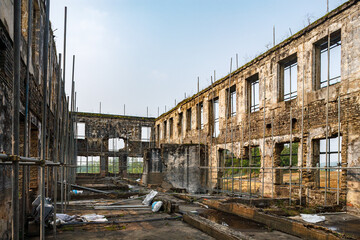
{"type": "Point", "coordinates": [339, 146]}
{"type": "Point", "coordinates": [26, 180]}
{"type": "Point", "coordinates": [327, 160]}
{"type": "Point", "coordinates": [302, 135]}
{"type": "Point", "coordinates": [263, 150]}
{"type": "Point", "coordinates": [16, 120]}
{"type": "Point", "coordinates": [44, 122]}
{"type": "Point", "coordinates": [272, 154]}
{"type": "Point", "coordinates": [290, 161]}
{"type": "Point", "coordinates": [57, 136]}
{"type": "Point", "coordinates": [250, 160]}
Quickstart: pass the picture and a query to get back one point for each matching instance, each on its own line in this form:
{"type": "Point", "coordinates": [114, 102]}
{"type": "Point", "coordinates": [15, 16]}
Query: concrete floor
{"type": "Point", "coordinates": [162, 230]}
{"type": "Point", "coordinates": [133, 222]}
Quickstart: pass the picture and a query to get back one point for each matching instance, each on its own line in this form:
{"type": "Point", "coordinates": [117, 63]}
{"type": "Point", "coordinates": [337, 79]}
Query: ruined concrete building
{"type": "Point", "coordinates": [109, 144]}
{"type": "Point", "coordinates": [286, 125]}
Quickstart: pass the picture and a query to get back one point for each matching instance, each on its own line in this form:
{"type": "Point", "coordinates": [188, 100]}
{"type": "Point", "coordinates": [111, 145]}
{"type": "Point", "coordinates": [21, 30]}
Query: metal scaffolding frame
{"type": "Point", "coordinates": [62, 157]}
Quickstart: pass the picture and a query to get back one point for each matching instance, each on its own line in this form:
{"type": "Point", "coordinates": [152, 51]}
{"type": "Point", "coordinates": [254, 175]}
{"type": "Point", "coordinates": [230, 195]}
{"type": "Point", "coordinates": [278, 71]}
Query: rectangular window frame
{"type": "Point", "coordinates": [171, 127]}
{"type": "Point", "coordinates": [113, 165]}
{"type": "Point", "coordinates": [145, 133]}
{"type": "Point", "coordinates": [80, 130]}
{"type": "Point", "coordinates": [215, 117]}
{"type": "Point", "coordinates": [288, 64]}
{"type": "Point", "coordinates": [321, 47]}
{"type": "Point", "coordinates": [252, 82]}
{"type": "Point", "coordinates": [165, 130]}
{"type": "Point", "coordinates": [180, 123]}
{"type": "Point", "coordinates": [158, 132]}
{"type": "Point", "coordinates": [319, 154]}
{"type": "Point", "coordinates": [200, 115]}
{"type": "Point", "coordinates": [138, 162]}
{"type": "Point", "coordinates": [188, 119]}
{"type": "Point", "coordinates": [294, 162]}
{"type": "Point", "coordinates": [231, 101]}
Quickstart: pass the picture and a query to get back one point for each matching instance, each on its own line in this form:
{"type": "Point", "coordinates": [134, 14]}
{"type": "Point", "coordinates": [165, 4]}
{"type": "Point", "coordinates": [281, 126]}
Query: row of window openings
{"type": "Point", "coordinates": [133, 165]}
{"type": "Point", "coordinates": [80, 133]}
{"type": "Point", "coordinates": [333, 159]}
{"type": "Point", "coordinates": [200, 118]}
{"type": "Point", "coordinates": [288, 79]}
{"type": "Point", "coordinates": [328, 71]}
{"type": "Point", "coordinates": [91, 164]}
{"type": "Point", "coordinates": [288, 82]}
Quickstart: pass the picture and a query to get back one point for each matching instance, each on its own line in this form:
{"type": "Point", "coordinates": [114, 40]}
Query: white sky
{"type": "Point", "coordinates": [147, 53]}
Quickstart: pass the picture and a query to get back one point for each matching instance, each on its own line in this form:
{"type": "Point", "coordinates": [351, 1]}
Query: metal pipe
{"type": "Point", "coordinates": [302, 134]}
{"type": "Point", "coordinates": [43, 122]}
{"type": "Point", "coordinates": [272, 154]}
{"type": "Point", "coordinates": [126, 221]}
{"type": "Point", "coordinates": [49, 110]}
{"type": "Point", "coordinates": [211, 123]}
{"type": "Point", "coordinates": [227, 112]}
{"type": "Point", "coordinates": [72, 123]}
{"type": "Point", "coordinates": [64, 51]}
{"type": "Point", "coordinates": [263, 151]}
{"type": "Point", "coordinates": [287, 168]}
{"type": "Point", "coordinates": [327, 161]}
{"type": "Point", "coordinates": [231, 135]}
{"type": "Point", "coordinates": [338, 163]}
{"type": "Point", "coordinates": [25, 189]}
{"type": "Point", "coordinates": [62, 152]}
{"type": "Point", "coordinates": [57, 135]}
{"type": "Point", "coordinates": [241, 156]}
{"type": "Point", "coordinates": [250, 160]}
{"type": "Point", "coordinates": [29, 159]}
{"type": "Point", "coordinates": [198, 117]}
{"type": "Point", "coordinates": [55, 199]}
{"type": "Point", "coordinates": [62, 149]}
{"type": "Point", "coordinates": [67, 138]}
{"type": "Point", "coordinates": [274, 38]}
{"type": "Point", "coordinates": [290, 161]}
{"type": "Point", "coordinates": [16, 120]}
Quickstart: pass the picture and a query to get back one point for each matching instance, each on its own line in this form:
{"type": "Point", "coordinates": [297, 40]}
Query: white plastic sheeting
{"type": "Point", "coordinates": [312, 218]}
{"type": "Point", "coordinates": [148, 199]}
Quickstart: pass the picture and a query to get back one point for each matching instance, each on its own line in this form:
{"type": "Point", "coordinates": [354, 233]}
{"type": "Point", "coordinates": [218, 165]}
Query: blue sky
{"type": "Point", "coordinates": [147, 53]}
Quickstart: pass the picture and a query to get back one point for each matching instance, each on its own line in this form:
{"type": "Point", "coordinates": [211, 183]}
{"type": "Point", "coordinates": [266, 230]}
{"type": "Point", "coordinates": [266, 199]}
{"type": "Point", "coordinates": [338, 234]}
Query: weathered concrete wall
{"type": "Point", "coordinates": [247, 129]}
{"type": "Point", "coordinates": [178, 165]}
{"type": "Point", "coordinates": [182, 166]}
{"type": "Point", "coordinates": [153, 167]}
{"type": "Point", "coordinates": [100, 127]}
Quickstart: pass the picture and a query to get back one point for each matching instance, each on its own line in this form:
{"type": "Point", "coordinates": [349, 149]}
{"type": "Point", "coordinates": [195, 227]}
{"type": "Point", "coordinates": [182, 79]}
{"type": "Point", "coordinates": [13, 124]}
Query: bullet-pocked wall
{"type": "Point", "coordinates": [270, 115]}
{"type": "Point", "coordinates": [112, 144]}
{"type": "Point", "coordinates": [35, 100]}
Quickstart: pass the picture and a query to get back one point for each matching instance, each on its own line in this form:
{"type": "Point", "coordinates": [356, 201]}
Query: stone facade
{"type": "Point", "coordinates": [275, 122]}
{"type": "Point", "coordinates": [99, 128]}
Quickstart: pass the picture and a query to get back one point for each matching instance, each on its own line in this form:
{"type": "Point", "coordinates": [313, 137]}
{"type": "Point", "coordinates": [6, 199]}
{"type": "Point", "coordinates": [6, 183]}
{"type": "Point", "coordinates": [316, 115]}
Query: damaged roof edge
{"type": "Point", "coordinates": [287, 41]}
{"type": "Point", "coordinates": [102, 115]}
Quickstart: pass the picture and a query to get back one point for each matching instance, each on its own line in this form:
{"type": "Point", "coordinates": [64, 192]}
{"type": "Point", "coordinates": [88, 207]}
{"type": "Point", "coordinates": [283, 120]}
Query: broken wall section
{"type": "Point", "coordinates": [177, 164]}
{"type": "Point", "coordinates": [108, 144]}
